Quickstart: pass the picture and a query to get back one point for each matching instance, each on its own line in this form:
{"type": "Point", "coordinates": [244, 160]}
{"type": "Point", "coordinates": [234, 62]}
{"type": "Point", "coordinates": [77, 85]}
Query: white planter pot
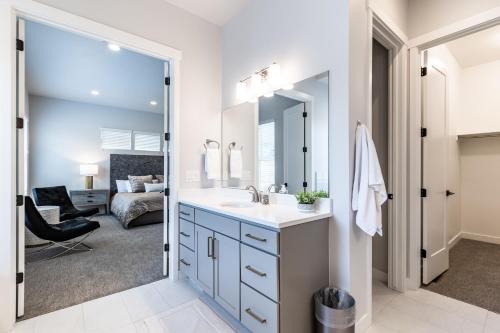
{"type": "Point", "coordinates": [306, 207]}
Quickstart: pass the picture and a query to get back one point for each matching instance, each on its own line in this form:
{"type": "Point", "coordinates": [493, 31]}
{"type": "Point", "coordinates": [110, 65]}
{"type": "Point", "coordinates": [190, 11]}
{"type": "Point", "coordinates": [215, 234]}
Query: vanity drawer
{"type": "Point", "coordinates": [187, 263]}
{"type": "Point", "coordinates": [186, 212]}
{"type": "Point", "coordinates": [261, 238]}
{"type": "Point", "coordinates": [258, 313]}
{"type": "Point", "coordinates": [260, 271]}
{"type": "Point", "coordinates": [220, 224]}
{"type": "Point", "coordinates": [186, 233]}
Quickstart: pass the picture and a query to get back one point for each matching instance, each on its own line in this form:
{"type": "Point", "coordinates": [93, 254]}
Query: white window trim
{"type": "Point", "coordinates": [116, 130]}
{"type": "Point", "coordinates": [147, 133]}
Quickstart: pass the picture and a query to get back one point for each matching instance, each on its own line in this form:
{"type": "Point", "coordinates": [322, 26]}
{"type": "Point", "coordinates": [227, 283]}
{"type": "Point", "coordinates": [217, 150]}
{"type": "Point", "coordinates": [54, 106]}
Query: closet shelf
{"type": "Point", "coordinates": [479, 135]}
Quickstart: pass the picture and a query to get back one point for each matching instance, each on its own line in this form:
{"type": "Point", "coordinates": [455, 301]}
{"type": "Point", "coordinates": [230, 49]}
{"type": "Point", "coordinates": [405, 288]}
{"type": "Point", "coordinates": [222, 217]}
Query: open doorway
{"type": "Point", "coordinates": [97, 112]}
{"type": "Point", "coordinates": [460, 163]}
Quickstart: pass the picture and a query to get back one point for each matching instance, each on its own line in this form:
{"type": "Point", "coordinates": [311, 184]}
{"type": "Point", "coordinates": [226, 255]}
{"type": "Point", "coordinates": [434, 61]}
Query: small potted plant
{"type": "Point", "coordinates": [306, 201]}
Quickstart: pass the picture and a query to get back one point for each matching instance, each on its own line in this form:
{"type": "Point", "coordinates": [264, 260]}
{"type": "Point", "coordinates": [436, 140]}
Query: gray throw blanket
{"type": "Point", "coordinates": [129, 206]}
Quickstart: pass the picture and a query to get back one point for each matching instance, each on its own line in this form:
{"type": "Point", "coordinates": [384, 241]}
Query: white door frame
{"type": "Point", "coordinates": [34, 11]}
{"type": "Point", "coordinates": [417, 46]}
{"type": "Point", "coordinates": [394, 41]}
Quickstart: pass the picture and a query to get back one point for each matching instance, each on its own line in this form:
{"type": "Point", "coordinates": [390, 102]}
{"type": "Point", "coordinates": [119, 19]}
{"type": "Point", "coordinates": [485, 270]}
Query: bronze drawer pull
{"type": "Point", "coordinates": [185, 262]}
{"type": "Point", "coordinates": [184, 234]}
{"type": "Point", "coordinates": [256, 238]}
{"type": "Point", "coordinates": [253, 270]}
{"type": "Point", "coordinates": [255, 316]}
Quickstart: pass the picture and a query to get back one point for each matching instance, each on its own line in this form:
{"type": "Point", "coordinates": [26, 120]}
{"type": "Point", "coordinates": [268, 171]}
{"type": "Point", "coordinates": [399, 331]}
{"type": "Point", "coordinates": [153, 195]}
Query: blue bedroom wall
{"type": "Point", "coordinates": [64, 134]}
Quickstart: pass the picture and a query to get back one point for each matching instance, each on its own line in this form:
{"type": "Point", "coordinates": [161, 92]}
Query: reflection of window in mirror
{"type": "Point", "coordinates": [266, 156]}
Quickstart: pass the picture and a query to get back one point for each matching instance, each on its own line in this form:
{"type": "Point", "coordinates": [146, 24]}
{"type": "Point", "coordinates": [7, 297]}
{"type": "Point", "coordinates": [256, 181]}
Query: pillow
{"type": "Point", "coordinates": [137, 182]}
{"type": "Point", "coordinates": [123, 186]}
{"type": "Point", "coordinates": [154, 187]}
{"type": "Point", "coordinates": [160, 178]}
{"type": "Point", "coordinates": [155, 181]}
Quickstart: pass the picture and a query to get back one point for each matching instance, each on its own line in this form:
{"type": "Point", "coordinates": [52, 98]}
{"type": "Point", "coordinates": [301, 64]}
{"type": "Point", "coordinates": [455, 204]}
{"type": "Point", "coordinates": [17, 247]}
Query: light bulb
{"type": "Point", "coordinates": [256, 85]}
{"type": "Point", "coordinates": [274, 75]}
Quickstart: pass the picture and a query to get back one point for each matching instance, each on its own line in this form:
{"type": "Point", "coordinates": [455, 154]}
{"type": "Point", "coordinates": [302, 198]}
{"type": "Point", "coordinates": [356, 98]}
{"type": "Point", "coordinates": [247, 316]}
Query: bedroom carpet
{"type": "Point", "coordinates": [474, 275]}
{"type": "Point", "coordinates": [120, 259]}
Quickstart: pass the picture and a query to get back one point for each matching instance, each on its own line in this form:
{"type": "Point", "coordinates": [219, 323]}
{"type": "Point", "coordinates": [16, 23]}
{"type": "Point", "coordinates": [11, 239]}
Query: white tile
{"type": "Point", "coordinates": [397, 320]}
{"type": "Point", "coordinates": [175, 293]}
{"type": "Point", "coordinates": [105, 313]}
{"type": "Point", "coordinates": [493, 321]}
{"type": "Point", "coordinates": [379, 328]}
{"type": "Point", "coordinates": [219, 324]}
{"type": "Point", "coordinates": [143, 302]}
{"type": "Point", "coordinates": [380, 301]}
{"type": "Point", "coordinates": [185, 320]}
{"type": "Point", "coordinates": [25, 326]}
{"type": "Point", "coordinates": [471, 327]}
{"type": "Point", "coordinates": [490, 330]}
{"type": "Point", "coordinates": [61, 321]}
{"type": "Point", "coordinates": [409, 306]}
{"type": "Point", "coordinates": [444, 319]}
{"type": "Point", "coordinates": [140, 327]}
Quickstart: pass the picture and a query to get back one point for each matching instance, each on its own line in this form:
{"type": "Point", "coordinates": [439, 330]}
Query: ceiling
{"type": "Point", "coordinates": [478, 48]}
{"type": "Point", "coordinates": [68, 66]}
{"type": "Point", "coordinates": [218, 12]}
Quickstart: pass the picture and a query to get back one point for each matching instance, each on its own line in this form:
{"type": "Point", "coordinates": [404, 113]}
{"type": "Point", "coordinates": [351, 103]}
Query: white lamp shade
{"type": "Point", "coordinates": [89, 169]}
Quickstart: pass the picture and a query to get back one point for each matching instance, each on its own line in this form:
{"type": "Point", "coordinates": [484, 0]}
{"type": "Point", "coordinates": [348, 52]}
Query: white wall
{"type": "Point", "coordinates": [200, 79]}
{"type": "Point", "coordinates": [307, 38]}
{"type": "Point", "coordinates": [394, 10]}
{"type": "Point", "coordinates": [480, 111]}
{"type": "Point", "coordinates": [441, 57]}
{"type": "Point", "coordinates": [428, 15]}
{"type": "Point", "coordinates": [65, 134]}
{"type": "Point", "coordinates": [480, 209]}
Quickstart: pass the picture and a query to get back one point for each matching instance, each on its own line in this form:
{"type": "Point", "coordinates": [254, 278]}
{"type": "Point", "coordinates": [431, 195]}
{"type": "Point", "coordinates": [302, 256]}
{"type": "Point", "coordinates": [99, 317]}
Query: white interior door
{"type": "Point", "coordinates": [21, 101]}
{"type": "Point", "coordinates": [435, 259]}
{"type": "Point", "coordinates": [166, 152]}
{"type": "Point", "coordinates": [293, 141]}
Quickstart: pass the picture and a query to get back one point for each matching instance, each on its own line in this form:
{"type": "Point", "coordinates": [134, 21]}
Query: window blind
{"type": "Point", "coordinates": [116, 139]}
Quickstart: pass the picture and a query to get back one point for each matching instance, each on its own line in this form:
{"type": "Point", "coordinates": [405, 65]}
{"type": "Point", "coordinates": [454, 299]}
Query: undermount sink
{"type": "Point", "coordinates": [237, 204]}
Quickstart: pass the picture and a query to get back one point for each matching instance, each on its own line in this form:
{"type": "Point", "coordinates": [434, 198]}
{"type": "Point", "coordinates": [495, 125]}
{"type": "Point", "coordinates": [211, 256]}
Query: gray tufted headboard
{"type": "Point", "coordinates": [121, 166]}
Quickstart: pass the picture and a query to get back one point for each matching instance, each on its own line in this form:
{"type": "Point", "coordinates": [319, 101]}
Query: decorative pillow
{"type": "Point", "coordinates": [137, 182]}
{"type": "Point", "coordinates": [161, 178]}
{"type": "Point", "coordinates": [123, 186]}
{"type": "Point", "coordinates": [155, 181]}
{"type": "Point", "coordinates": [154, 187]}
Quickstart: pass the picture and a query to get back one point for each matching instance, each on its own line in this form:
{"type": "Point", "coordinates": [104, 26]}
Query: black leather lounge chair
{"type": "Point", "coordinates": [58, 196]}
{"type": "Point", "coordinates": [61, 234]}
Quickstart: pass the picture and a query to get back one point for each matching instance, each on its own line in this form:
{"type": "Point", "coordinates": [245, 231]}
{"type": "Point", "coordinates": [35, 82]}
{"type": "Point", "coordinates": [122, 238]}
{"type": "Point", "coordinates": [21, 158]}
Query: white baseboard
{"type": "Point", "coordinates": [454, 240]}
{"type": "Point", "coordinates": [481, 238]}
{"type": "Point", "coordinates": [363, 323]}
{"type": "Point", "coordinates": [379, 275]}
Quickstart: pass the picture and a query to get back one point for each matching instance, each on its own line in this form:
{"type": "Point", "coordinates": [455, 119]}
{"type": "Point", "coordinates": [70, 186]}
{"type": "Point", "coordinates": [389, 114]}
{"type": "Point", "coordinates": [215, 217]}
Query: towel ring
{"type": "Point", "coordinates": [232, 145]}
{"type": "Point", "coordinates": [209, 141]}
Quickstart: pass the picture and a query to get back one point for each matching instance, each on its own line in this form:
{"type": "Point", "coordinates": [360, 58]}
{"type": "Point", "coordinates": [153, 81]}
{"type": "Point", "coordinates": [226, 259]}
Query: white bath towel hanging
{"type": "Point", "coordinates": [212, 163]}
{"type": "Point", "coordinates": [235, 163]}
{"type": "Point", "coordinates": [368, 192]}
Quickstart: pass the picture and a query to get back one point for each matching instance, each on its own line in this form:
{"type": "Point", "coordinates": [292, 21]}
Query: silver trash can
{"type": "Point", "coordinates": [335, 311]}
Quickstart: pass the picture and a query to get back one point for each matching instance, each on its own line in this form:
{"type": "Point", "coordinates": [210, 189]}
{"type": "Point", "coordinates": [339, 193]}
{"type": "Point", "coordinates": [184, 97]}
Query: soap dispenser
{"type": "Point", "coordinates": [283, 189]}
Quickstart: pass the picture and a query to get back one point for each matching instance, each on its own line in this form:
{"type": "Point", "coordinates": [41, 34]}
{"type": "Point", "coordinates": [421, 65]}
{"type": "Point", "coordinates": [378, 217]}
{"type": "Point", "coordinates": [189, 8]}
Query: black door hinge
{"type": "Point", "coordinates": [167, 81]}
{"type": "Point", "coordinates": [423, 193]}
{"type": "Point", "coordinates": [166, 247]}
{"type": "Point", "coordinates": [423, 253]}
{"type": "Point", "coordinates": [304, 149]}
{"type": "Point", "coordinates": [304, 184]}
{"type": "Point", "coordinates": [19, 45]}
{"type": "Point", "coordinates": [304, 114]}
{"type": "Point", "coordinates": [390, 196]}
{"type": "Point", "coordinates": [19, 278]}
{"type": "Point", "coordinates": [423, 71]}
{"type": "Point", "coordinates": [167, 136]}
{"type": "Point", "coordinates": [423, 132]}
{"type": "Point", "coordinates": [167, 192]}
{"type": "Point", "coordinates": [19, 123]}
{"type": "Point", "coordinates": [19, 200]}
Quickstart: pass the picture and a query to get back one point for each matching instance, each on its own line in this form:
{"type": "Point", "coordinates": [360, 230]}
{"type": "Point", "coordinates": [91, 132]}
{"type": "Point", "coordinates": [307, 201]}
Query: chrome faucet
{"type": "Point", "coordinates": [253, 191]}
{"type": "Point", "coordinates": [271, 187]}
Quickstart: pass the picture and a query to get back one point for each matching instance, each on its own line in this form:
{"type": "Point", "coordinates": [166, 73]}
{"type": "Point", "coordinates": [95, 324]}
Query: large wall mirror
{"type": "Point", "coordinates": [282, 139]}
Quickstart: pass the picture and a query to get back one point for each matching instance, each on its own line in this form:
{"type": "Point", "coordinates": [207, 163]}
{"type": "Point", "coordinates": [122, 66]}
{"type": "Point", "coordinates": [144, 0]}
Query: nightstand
{"type": "Point", "coordinates": [83, 198]}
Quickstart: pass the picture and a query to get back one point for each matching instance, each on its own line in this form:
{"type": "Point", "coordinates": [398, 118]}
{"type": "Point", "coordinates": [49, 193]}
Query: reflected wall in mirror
{"type": "Point", "coordinates": [282, 139]}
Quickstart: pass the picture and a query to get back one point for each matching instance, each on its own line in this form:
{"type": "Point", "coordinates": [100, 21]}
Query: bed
{"type": "Point", "coordinates": [135, 209]}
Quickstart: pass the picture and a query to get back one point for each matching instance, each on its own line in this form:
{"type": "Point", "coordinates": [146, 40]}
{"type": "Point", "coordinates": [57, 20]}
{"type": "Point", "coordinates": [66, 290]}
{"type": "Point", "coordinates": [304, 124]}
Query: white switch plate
{"type": "Point", "coordinates": [192, 176]}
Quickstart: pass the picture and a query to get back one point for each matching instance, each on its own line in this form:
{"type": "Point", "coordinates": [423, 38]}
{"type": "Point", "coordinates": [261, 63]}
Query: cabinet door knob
{"type": "Point", "coordinates": [253, 270]}
{"type": "Point", "coordinates": [255, 316]}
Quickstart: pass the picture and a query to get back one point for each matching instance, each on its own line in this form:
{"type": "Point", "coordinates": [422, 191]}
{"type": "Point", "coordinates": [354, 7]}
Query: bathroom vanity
{"type": "Point", "coordinates": [260, 263]}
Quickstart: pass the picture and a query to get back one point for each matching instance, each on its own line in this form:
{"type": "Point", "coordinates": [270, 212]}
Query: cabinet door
{"type": "Point", "coordinates": [227, 273]}
{"type": "Point", "coordinates": [205, 262]}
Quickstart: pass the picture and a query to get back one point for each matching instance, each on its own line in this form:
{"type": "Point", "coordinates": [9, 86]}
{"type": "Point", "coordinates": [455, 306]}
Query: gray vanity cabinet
{"type": "Point", "coordinates": [204, 260]}
{"type": "Point", "coordinates": [227, 273]}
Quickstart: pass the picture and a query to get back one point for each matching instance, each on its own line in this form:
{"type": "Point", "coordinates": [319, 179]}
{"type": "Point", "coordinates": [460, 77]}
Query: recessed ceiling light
{"type": "Point", "coordinates": [95, 92]}
{"type": "Point", "coordinates": [113, 47]}
{"type": "Point", "coordinates": [153, 103]}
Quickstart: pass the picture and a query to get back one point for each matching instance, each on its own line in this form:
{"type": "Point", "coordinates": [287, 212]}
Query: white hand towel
{"type": "Point", "coordinates": [235, 163]}
{"type": "Point", "coordinates": [368, 192]}
{"type": "Point", "coordinates": [212, 163]}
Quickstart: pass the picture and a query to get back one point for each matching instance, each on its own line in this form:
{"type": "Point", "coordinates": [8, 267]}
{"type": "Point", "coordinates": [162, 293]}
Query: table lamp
{"type": "Point", "coordinates": [89, 171]}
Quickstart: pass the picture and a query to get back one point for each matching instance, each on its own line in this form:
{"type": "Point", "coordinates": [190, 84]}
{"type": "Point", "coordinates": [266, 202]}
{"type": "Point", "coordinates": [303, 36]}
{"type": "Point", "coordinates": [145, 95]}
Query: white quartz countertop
{"type": "Point", "coordinates": [282, 212]}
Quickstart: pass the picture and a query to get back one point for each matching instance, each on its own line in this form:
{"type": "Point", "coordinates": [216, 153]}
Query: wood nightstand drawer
{"type": "Point", "coordinates": [90, 198]}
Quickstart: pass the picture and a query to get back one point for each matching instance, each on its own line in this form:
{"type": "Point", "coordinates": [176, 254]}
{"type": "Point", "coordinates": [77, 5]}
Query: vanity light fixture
{"type": "Point", "coordinates": [262, 83]}
{"type": "Point", "coordinates": [288, 86]}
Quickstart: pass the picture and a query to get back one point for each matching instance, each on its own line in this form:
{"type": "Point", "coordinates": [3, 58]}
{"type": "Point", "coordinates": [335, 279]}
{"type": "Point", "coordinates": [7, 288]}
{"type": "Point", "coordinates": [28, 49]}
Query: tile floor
{"type": "Point", "coordinates": [162, 306]}
{"type": "Point", "coordinates": [427, 312]}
